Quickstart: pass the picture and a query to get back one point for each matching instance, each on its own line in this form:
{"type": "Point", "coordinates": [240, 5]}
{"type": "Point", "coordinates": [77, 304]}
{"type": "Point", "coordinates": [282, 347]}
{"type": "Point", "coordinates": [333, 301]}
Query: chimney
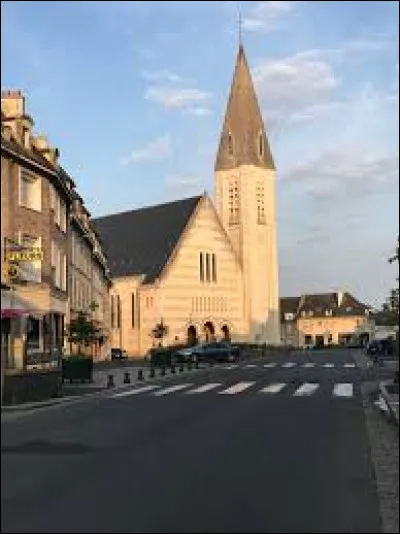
{"type": "Point", "coordinates": [42, 145]}
{"type": "Point", "coordinates": [340, 295]}
{"type": "Point", "coordinates": [13, 103]}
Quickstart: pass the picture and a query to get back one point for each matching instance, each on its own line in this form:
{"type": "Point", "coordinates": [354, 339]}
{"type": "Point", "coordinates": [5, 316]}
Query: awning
{"type": "Point", "coordinates": [10, 313]}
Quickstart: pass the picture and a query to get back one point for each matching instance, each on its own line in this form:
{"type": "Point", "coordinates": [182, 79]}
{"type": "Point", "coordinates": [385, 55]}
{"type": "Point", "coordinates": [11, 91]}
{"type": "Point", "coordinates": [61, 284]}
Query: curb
{"type": "Point", "coordinates": [393, 406]}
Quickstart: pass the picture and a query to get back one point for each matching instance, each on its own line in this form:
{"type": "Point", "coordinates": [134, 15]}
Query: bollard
{"type": "Point", "coordinates": [196, 364]}
{"type": "Point", "coordinates": [181, 368]}
{"type": "Point", "coordinates": [127, 378]}
{"type": "Point", "coordinates": [189, 366]}
{"type": "Point", "coordinates": [163, 371]}
{"type": "Point", "coordinates": [152, 372]}
{"type": "Point", "coordinates": [172, 369]}
{"type": "Point", "coordinates": [110, 381]}
{"type": "Point", "coordinates": [140, 374]}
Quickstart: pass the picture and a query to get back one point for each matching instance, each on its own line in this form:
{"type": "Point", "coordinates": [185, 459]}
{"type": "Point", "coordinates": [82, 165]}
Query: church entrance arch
{"type": "Point", "coordinates": [226, 335]}
{"type": "Point", "coordinates": [191, 335]}
{"type": "Point", "coordinates": [209, 331]}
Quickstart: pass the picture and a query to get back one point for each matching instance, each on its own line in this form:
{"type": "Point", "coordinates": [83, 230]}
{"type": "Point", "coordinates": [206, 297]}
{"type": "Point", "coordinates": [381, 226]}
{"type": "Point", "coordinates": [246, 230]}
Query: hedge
{"type": "Point", "coordinates": [77, 367]}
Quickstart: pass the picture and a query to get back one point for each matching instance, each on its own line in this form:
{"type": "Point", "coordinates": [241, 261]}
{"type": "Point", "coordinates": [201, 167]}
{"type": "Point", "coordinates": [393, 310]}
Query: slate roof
{"type": "Point", "coordinates": [141, 241]}
{"type": "Point", "coordinates": [289, 305]}
{"type": "Point", "coordinates": [32, 154]}
{"type": "Point", "coordinates": [319, 303]}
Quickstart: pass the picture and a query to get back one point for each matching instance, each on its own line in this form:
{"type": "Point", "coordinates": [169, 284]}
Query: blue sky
{"type": "Point", "coordinates": [133, 94]}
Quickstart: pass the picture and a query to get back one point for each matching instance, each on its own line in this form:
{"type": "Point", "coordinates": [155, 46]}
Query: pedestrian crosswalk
{"type": "Point", "coordinates": [305, 389]}
{"type": "Point", "coordinates": [292, 365]}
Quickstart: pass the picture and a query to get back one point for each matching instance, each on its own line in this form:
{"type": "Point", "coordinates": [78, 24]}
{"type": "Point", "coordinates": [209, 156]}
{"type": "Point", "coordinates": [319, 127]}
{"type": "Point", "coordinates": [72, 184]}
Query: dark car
{"type": "Point", "coordinates": [118, 354]}
{"type": "Point", "coordinates": [219, 351]}
{"type": "Point", "coordinates": [381, 347]}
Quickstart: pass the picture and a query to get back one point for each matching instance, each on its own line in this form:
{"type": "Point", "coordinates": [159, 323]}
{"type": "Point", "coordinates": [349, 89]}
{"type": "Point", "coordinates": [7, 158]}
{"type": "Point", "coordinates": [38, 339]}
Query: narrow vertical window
{"type": "Point", "coordinates": [230, 144]}
{"type": "Point", "coordinates": [133, 310]}
{"type": "Point", "coordinates": [208, 267]}
{"type": "Point", "coordinates": [201, 267]}
{"type": "Point", "coordinates": [118, 311]}
{"type": "Point", "coordinates": [214, 268]}
{"type": "Point", "coordinates": [112, 311]}
{"type": "Point", "coordinates": [260, 145]}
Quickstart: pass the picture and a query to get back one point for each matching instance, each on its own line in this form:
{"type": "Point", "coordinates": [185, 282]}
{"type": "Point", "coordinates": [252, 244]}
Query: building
{"type": "Point", "coordinates": [35, 203]}
{"type": "Point", "coordinates": [51, 257]}
{"type": "Point", "coordinates": [89, 280]}
{"type": "Point", "coordinates": [324, 319]}
{"type": "Point", "coordinates": [203, 269]}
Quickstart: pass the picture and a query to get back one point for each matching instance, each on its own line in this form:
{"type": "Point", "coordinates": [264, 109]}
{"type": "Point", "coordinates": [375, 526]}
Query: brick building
{"type": "Point", "coordinates": [37, 200]}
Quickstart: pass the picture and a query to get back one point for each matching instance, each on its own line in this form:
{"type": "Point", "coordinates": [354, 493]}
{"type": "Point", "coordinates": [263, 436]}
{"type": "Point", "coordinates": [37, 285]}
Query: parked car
{"type": "Point", "coordinates": [118, 354]}
{"type": "Point", "coordinates": [220, 351]}
{"type": "Point", "coordinates": [382, 347]}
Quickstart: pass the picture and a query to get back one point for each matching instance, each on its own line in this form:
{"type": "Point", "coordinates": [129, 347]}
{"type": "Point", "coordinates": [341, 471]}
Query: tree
{"type": "Point", "coordinates": [160, 330]}
{"type": "Point", "coordinates": [83, 330]}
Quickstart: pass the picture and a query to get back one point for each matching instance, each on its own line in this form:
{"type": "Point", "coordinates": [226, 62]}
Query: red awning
{"type": "Point", "coordinates": [8, 313]}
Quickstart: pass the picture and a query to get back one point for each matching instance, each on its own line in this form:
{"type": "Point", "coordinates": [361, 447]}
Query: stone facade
{"type": "Point", "coordinates": [236, 238]}
{"type": "Point", "coordinates": [37, 198]}
{"type": "Point", "coordinates": [325, 319]}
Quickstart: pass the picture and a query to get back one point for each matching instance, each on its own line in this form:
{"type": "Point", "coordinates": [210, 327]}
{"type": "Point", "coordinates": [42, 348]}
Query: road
{"type": "Point", "coordinates": [267, 446]}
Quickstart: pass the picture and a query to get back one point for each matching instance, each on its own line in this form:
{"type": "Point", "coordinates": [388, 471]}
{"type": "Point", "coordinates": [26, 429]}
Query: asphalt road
{"type": "Point", "coordinates": [230, 449]}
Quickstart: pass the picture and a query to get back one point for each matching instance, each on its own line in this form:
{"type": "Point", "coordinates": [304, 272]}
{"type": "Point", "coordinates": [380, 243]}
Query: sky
{"type": "Point", "coordinates": [134, 94]}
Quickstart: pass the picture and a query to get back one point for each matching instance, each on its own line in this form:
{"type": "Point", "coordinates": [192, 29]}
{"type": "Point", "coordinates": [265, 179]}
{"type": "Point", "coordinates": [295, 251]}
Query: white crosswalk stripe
{"type": "Point", "coordinates": [234, 366]}
{"type": "Point", "coordinates": [306, 389]}
{"type": "Point", "coordinates": [250, 365]}
{"type": "Point", "coordinates": [329, 365]}
{"type": "Point", "coordinates": [204, 388]}
{"type": "Point", "coordinates": [236, 388]}
{"type": "Point", "coordinates": [171, 389]}
{"type": "Point", "coordinates": [309, 364]}
{"type": "Point", "coordinates": [343, 390]}
{"type": "Point", "coordinates": [273, 388]}
{"type": "Point", "coordinates": [289, 364]}
{"type": "Point", "coordinates": [270, 365]}
{"type": "Point", "coordinates": [144, 389]}
{"type": "Point", "coordinates": [350, 365]}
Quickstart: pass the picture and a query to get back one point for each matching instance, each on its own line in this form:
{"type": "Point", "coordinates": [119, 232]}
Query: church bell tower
{"type": "Point", "coordinates": [246, 203]}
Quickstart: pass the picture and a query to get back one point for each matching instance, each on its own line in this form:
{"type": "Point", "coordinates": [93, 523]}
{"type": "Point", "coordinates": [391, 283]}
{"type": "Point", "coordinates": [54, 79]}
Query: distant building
{"type": "Point", "coordinates": [204, 270]}
{"type": "Point", "coordinates": [324, 319]}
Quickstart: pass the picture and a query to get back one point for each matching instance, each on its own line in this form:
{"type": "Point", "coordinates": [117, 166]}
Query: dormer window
{"type": "Point", "coordinates": [328, 313]}
{"type": "Point", "coordinates": [289, 316]}
{"type": "Point", "coordinates": [230, 144]}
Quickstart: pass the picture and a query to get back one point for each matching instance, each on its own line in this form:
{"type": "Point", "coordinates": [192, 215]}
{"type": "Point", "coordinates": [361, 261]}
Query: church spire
{"type": "Point", "coordinates": [243, 138]}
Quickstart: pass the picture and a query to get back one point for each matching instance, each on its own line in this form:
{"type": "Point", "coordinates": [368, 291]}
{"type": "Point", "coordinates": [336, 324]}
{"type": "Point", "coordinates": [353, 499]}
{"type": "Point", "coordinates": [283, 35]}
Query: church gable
{"type": "Point", "coordinates": [204, 235]}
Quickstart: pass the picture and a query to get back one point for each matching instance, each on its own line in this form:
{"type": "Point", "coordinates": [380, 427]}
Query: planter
{"type": "Point", "coordinates": [78, 368]}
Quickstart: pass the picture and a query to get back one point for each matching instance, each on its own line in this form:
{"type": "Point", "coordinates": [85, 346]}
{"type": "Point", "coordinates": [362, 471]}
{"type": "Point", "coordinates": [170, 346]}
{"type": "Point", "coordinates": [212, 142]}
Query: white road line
{"type": "Point", "coordinates": [171, 389]}
{"type": "Point", "coordinates": [204, 388]}
{"type": "Point", "coordinates": [343, 390]}
{"type": "Point", "coordinates": [250, 365]}
{"type": "Point", "coordinates": [306, 389]}
{"type": "Point", "coordinates": [350, 365]}
{"type": "Point", "coordinates": [328, 365]}
{"type": "Point", "coordinates": [309, 364]}
{"type": "Point", "coordinates": [273, 388]}
{"type": "Point", "coordinates": [289, 364]}
{"type": "Point", "coordinates": [269, 365]}
{"type": "Point", "coordinates": [236, 388]}
{"type": "Point", "coordinates": [235, 366]}
{"type": "Point", "coordinates": [134, 391]}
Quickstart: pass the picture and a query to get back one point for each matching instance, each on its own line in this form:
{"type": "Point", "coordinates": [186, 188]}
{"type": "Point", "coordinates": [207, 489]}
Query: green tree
{"type": "Point", "coordinates": [83, 330]}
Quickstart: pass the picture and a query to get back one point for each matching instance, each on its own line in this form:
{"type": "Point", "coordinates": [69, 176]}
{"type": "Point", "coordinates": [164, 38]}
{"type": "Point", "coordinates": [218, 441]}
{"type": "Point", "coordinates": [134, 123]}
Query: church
{"type": "Point", "coordinates": [199, 269]}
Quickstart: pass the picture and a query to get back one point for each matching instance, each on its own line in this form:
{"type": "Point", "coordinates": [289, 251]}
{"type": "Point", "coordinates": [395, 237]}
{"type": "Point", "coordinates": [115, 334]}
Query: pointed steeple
{"type": "Point", "coordinates": [243, 138]}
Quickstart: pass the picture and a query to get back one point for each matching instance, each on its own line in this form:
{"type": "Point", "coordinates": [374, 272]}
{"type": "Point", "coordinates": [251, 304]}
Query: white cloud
{"type": "Point", "coordinates": [346, 172]}
{"type": "Point", "coordinates": [161, 76]}
{"type": "Point", "coordinates": [159, 149]}
{"type": "Point", "coordinates": [267, 16]}
{"type": "Point", "coordinates": [198, 111]}
{"type": "Point", "coordinates": [176, 97]}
